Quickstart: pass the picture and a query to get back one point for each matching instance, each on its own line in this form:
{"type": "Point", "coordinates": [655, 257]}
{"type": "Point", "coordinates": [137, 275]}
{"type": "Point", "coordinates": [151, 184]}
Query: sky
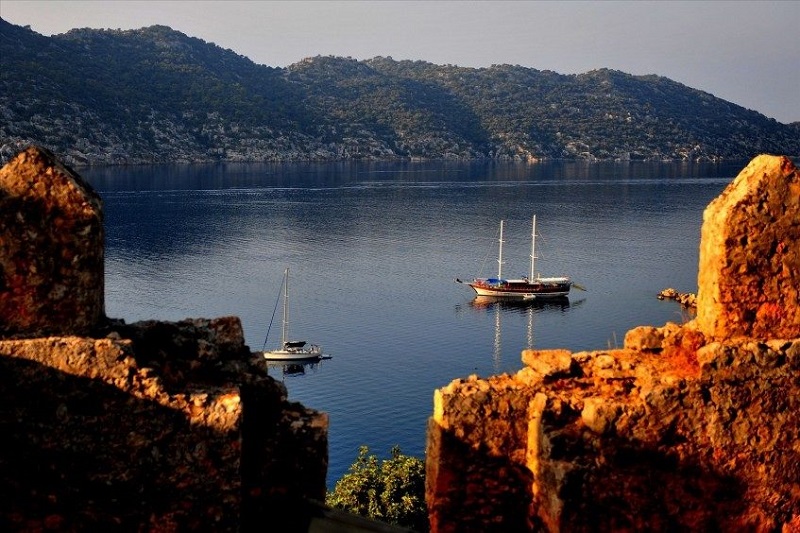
{"type": "Point", "coordinates": [745, 52]}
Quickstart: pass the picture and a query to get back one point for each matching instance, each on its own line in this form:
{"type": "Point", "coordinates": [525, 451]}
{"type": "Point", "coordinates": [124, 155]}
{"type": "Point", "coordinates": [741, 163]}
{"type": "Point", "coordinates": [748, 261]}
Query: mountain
{"type": "Point", "coordinates": [158, 95]}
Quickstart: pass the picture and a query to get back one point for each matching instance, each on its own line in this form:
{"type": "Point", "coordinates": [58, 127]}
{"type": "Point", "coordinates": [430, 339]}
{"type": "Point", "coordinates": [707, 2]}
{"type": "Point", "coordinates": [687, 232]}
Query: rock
{"type": "Point", "coordinates": [645, 338]}
{"type": "Point", "coordinates": [166, 446]}
{"type": "Point", "coordinates": [686, 299]}
{"type": "Point", "coordinates": [749, 271]}
{"type": "Point", "coordinates": [598, 414]}
{"type": "Point", "coordinates": [548, 362]}
{"type": "Point", "coordinates": [51, 249]}
{"type": "Point", "coordinates": [668, 294]}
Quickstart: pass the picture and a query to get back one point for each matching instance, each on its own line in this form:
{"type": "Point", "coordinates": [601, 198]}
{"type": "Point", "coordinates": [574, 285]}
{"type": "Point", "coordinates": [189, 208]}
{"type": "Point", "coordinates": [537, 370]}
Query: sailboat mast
{"type": "Point", "coordinates": [533, 249]}
{"type": "Point", "coordinates": [285, 330]}
{"type": "Point", "coordinates": [500, 254]}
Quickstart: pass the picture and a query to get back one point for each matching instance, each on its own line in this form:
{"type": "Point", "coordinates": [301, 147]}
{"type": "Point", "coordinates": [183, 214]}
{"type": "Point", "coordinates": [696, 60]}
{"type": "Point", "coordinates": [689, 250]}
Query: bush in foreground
{"type": "Point", "coordinates": [391, 491]}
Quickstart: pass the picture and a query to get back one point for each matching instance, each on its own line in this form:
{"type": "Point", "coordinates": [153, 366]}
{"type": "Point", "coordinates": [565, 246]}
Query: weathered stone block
{"type": "Point", "coordinates": [548, 362]}
{"type": "Point", "coordinates": [749, 271]}
{"type": "Point", "coordinates": [51, 249]}
{"type": "Point", "coordinates": [646, 338]}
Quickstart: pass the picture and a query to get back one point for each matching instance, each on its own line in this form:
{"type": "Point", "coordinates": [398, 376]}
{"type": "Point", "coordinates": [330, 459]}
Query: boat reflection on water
{"type": "Point", "coordinates": [526, 307]}
{"type": "Point", "coordinates": [296, 368]}
{"type": "Point", "coordinates": [523, 306]}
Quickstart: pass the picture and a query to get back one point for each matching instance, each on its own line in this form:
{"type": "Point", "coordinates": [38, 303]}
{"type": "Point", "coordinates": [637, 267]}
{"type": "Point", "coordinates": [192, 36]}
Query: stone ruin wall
{"type": "Point", "coordinates": [748, 279]}
{"type": "Point", "coordinates": [689, 427]}
{"type": "Point", "coordinates": [51, 248]}
{"type": "Point", "coordinates": [159, 426]}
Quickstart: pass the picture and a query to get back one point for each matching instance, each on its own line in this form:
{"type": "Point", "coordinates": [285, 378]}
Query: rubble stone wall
{"type": "Point", "coordinates": [123, 431]}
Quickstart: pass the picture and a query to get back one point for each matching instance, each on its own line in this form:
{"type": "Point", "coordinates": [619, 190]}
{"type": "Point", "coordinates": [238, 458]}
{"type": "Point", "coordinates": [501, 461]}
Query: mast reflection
{"type": "Point", "coordinates": [522, 306]}
{"type": "Point", "coordinates": [530, 307]}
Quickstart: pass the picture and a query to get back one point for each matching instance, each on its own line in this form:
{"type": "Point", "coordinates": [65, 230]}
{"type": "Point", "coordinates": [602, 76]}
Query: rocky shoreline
{"type": "Point", "coordinates": [686, 299]}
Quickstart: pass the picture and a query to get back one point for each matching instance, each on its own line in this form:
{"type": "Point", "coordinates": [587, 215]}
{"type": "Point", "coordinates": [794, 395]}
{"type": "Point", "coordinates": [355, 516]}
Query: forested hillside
{"type": "Point", "coordinates": [157, 95]}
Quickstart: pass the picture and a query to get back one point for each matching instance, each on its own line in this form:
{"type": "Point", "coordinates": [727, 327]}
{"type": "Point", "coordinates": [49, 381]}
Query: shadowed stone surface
{"type": "Point", "coordinates": [51, 249]}
{"type": "Point", "coordinates": [159, 426]}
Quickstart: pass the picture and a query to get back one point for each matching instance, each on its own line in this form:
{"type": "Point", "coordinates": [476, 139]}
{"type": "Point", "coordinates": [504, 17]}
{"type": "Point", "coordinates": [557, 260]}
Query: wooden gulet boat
{"type": "Point", "coordinates": [533, 287]}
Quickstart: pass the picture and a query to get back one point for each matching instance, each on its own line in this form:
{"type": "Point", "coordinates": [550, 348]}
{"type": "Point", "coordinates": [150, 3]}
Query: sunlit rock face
{"type": "Point", "coordinates": [51, 249]}
{"type": "Point", "coordinates": [749, 272]}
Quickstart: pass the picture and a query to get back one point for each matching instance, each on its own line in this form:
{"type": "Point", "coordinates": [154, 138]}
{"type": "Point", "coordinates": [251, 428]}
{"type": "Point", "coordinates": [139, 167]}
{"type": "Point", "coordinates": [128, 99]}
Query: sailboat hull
{"type": "Point", "coordinates": [523, 289]}
{"type": "Point", "coordinates": [292, 354]}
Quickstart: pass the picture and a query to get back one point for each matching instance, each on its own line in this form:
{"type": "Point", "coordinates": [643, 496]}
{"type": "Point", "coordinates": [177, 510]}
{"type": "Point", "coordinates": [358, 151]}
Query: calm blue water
{"type": "Point", "coordinates": [373, 251]}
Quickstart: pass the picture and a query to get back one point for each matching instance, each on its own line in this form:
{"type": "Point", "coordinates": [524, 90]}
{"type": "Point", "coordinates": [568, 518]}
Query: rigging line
{"type": "Point", "coordinates": [277, 300]}
{"type": "Point", "coordinates": [489, 252]}
{"type": "Point", "coordinates": [539, 237]}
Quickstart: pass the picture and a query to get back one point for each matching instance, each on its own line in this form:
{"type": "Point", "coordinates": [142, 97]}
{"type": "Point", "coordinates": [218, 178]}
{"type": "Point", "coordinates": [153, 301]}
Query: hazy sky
{"type": "Point", "coordinates": [744, 52]}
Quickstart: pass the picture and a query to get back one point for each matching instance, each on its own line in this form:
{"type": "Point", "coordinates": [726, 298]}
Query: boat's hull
{"type": "Point", "coordinates": [313, 352]}
{"type": "Point", "coordinates": [537, 289]}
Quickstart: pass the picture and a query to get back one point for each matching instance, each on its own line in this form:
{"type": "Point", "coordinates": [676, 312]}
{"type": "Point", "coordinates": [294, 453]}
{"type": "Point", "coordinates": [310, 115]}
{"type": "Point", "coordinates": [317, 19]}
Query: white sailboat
{"type": "Point", "coordinates": [290, 349]}
{"type": "Point", "coordinates": [533, 287]}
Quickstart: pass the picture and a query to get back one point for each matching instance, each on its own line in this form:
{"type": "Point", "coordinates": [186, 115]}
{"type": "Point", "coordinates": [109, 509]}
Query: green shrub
{"type": "Point", "coordinates": [391, 491]}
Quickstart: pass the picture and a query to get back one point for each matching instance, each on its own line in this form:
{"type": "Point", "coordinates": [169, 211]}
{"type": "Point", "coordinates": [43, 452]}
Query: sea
{"type": "Point", "coordinates": [374, 250]}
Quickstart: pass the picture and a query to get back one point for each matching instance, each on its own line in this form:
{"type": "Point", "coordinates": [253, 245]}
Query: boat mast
{"type": "Point", "coordinates": [500, 254]}
{"type": "Point", "coordinates": [285, 330]}
{"type": "Point", "coordinates": [533, 248]}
